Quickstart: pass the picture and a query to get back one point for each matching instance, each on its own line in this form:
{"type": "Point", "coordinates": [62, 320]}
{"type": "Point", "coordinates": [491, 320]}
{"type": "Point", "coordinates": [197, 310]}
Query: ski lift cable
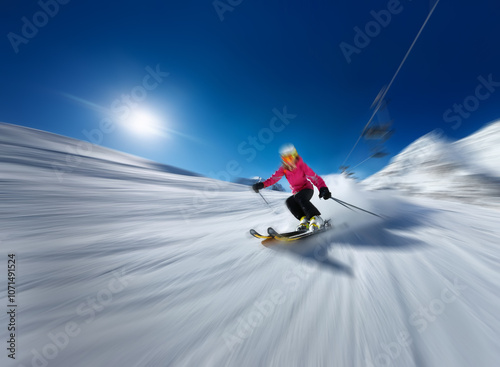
{"type": "Point", "coordinates": [359, 164]}
{"type": "Point", "coordinates": [366, 159]}
{"type": "Point", "coordinates": [382, 97]}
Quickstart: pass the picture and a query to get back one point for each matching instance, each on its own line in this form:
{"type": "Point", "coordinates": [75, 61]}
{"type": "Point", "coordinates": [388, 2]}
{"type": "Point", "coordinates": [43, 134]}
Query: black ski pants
{"type": "Point", "coordinates": [300, 204]}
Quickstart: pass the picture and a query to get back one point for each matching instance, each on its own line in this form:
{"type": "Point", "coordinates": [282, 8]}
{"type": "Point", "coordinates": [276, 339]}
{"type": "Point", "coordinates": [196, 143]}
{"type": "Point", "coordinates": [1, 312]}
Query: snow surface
{"type": "Point", "coordinates": [121, 263]}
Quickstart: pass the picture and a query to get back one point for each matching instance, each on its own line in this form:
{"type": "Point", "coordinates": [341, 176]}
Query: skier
{"type": "Point", "coordinates": [299, 176]}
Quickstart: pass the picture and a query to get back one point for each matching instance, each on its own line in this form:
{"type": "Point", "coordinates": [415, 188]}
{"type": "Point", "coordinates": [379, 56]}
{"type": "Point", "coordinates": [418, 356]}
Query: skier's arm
{"type": "Point", "coordinates": [313, 177]}
{"type": "Point", "coordinates": [317, 181]}
{"type": "Point", "coordinates": [275, 177]}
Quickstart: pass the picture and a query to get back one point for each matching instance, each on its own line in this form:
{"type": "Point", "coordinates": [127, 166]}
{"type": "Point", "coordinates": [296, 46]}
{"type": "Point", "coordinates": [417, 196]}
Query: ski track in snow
{"type": "Point", "coordinates": [152, 268]}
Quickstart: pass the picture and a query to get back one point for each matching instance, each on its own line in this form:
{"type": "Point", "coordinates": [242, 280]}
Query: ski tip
{"type": "Point", "coordinates": [272, 231]}
{"type": "Point", "coordinates": [256, 234]}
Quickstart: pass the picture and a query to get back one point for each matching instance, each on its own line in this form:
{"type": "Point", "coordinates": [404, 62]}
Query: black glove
{"type": "Point", "coordinates": [324, 193]}
{"type": "Point", "coordinates": [258, 186]}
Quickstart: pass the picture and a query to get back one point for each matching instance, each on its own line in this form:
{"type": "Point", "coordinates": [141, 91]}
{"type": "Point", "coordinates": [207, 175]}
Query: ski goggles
{"type": "Point", "coordinates": [289, 158]}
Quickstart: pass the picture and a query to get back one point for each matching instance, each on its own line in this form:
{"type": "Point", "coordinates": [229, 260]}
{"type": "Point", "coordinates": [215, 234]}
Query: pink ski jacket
{"type": "Point", "coordinates": [299, 178]}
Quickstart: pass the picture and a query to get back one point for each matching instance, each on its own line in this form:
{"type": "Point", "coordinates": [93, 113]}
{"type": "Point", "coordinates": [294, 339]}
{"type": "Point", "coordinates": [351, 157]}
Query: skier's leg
{"type": "Point", "coordinates": [303, 198]}
{"type": "Point", "coordinates": [294, 207]}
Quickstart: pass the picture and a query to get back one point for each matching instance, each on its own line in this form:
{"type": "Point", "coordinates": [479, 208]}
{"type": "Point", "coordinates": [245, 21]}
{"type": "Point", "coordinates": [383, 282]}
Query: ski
{"type": "Point", "coordinates": [297, 235]}
{"type": "Point", "coordinates": [256, 234]}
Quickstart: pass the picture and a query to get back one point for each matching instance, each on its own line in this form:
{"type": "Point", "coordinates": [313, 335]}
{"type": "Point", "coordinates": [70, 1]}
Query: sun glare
{"type": "Point", "coordinates": [144, 123]}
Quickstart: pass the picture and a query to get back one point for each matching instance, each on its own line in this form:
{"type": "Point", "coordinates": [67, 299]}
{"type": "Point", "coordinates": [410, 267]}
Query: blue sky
{"type": "Point", "coordinates": [226, 88]}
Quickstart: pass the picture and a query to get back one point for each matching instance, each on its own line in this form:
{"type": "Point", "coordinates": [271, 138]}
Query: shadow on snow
{"type": "Point", "coordinates": [393, 233]}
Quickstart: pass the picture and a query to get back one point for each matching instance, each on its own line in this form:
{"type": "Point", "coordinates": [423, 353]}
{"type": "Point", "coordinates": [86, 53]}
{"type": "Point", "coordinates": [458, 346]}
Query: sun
{"type": "Point", "coordinates": [144, 123]}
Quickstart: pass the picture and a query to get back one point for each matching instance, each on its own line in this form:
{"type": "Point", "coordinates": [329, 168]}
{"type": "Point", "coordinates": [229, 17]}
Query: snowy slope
{"type": "Point", "coordinates": [120, 264]}
{"type": "Point", "coordinates": [466, 170]}
{"type": "Point", "coordinates": [63, 155]}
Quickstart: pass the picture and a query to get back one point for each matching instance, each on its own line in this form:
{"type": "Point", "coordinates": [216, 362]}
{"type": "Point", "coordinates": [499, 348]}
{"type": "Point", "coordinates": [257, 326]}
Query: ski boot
{"type": "Point", "coordinates": [316, 223]}
{"type": "Point", "coordinates": [303, 225]}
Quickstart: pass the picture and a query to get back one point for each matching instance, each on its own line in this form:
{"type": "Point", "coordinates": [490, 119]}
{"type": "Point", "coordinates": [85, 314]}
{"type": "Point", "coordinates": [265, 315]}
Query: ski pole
{"type": "Point", "coordinates": [347, 205]}
{"type": "Point", "coordinates": [263, 198]}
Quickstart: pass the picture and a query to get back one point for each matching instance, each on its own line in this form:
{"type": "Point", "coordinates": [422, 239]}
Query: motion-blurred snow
{"type": "Point", "coordinates": [122, 262]}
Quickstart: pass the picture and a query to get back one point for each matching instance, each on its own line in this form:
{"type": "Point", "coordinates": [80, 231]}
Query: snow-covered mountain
{"type": "Point", "coordinates": [467, 170]}
{"type": "Point", "coordinates": [120, 263]}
